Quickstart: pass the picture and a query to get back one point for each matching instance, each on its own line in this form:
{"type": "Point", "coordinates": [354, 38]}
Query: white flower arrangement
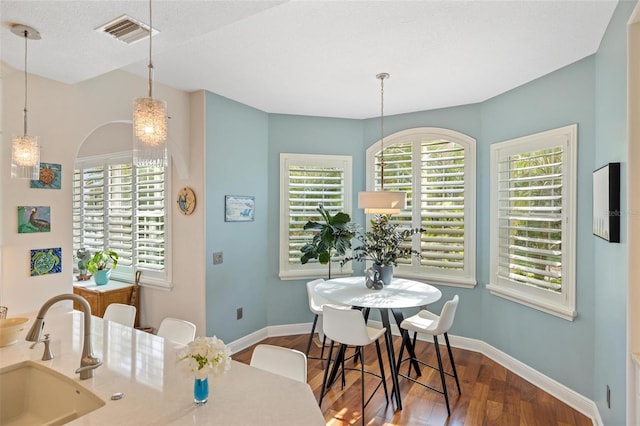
{"type": "Point", "coordinates": [205, 355]}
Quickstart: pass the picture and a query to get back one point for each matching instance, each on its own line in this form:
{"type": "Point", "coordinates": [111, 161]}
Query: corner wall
{"type": "Point", "coordinates": [235, 156]}
{"type": "Point", "coordinates": [611, 260]}
{"type": "Point", "coordinates": [544, 342]}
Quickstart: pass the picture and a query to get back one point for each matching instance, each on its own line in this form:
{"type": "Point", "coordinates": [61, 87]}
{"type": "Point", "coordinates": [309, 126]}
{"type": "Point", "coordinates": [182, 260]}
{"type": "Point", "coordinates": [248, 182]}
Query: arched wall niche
{"type": "Point", "coordinates": [116, 136]}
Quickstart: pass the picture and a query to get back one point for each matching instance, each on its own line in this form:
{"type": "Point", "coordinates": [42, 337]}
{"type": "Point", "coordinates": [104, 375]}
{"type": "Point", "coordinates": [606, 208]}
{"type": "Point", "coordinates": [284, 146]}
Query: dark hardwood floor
{"type": "Point", "coordinates": [491, 394]}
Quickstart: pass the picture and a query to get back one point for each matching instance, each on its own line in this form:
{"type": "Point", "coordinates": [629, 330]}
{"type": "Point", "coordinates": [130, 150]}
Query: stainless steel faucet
{"type": "Point", "coordinates": [88, 362]}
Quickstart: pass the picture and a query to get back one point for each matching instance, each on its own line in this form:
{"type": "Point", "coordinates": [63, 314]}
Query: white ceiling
{"type": "Point", "coordinates": [316, 57]}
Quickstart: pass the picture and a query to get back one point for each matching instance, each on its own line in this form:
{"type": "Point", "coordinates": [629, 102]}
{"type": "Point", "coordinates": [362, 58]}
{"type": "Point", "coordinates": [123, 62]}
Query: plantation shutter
{"type": "Point", "coordinates": [120, 212]}
{"type": "Point", "coordinates": [77, 209]}
{"type": "Point", "coordinates": [92, 201]}
{"type": "Point", "coordinates": [150, 218]}
{"type": "Point", "coordinates": [530, 223]}
{"type": "Point", "coordinates": [307, 181]}
{"type": "Point", "coordinates": [398, 176]}
{"type": "Point", "coordinates": [309, 187]}
{"type": "Point", "coordinates": [439, 170]}
{"type": "Point", "coordinates": [442, 198]}
{"type": "Point", "coordinates": [120, 207]}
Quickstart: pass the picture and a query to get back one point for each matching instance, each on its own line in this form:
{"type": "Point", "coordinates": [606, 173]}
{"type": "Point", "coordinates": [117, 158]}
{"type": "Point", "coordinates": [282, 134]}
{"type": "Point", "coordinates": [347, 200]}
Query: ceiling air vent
{"type": "Point", "coordinates": [126, 29]}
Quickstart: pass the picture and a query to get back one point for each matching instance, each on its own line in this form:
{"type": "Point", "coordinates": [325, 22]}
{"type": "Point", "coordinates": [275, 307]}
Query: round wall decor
{"type": "Point", "coordinates": [186, 201]}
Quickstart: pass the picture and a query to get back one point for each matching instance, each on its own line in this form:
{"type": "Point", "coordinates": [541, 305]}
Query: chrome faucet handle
{"type": "Point", "coordinates": [48, 354]}
{"type": "Point", "coordinates": [88, 364]}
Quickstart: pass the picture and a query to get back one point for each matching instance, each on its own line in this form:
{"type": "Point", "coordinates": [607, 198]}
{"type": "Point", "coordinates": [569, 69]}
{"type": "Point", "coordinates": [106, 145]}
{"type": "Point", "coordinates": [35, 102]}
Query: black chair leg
{"type": "Point", "coordinates": [362, 383]}
{"type": "Point", "coordinates": [453, 364]}
{"type": "Point", "coordinates": [415, 338]}
{"type": "Point", "coordinates": [326, 375]}
{"type": "Point", "coordinates": [442, 377]}
{"type": "Point", "coordinates": [401, 352]}
{"type": "Point", "coordinates": [313, 329]}
{"type": "Point", "coordinates": [384, 377]}
{"type": "Point", "coordinates": [324, 342]}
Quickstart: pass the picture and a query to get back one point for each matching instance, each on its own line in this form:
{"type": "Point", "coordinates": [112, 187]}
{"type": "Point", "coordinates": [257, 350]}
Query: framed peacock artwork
{"type": "Point", "coordinates": [33, 219]}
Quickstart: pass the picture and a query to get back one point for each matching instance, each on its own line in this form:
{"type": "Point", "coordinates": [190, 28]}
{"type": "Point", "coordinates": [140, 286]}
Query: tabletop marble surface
{"type": "Point", "coordinates": [156, 391]}
{"type": "Point", "coordinates": [401, 293]}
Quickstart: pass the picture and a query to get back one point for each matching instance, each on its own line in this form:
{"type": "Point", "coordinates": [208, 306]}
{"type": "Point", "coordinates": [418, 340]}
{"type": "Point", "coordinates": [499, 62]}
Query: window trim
{"type": "Point", "coordinates": [467, 278]}
{"type": "Point", "coordinates": [562, 305]}
{"type": "Point", "coordinates": [154, 279]}
{"type": "Point", "coordinates": [288, 271]}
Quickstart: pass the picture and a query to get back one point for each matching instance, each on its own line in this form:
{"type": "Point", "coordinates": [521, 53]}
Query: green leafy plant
{"type": "Point", "coordinates": [383, 244]}
{"type": "Point", "coordinates": [333, 238]}
{"type": "Point", "coordinates": [103, 259]}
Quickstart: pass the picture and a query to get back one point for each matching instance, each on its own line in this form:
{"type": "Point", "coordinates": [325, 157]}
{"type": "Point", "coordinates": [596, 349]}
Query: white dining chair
{"type": "Point", "coordinates": [426, 322]}
{"type": "Point", "coordinates": [120, 313]}
{"type": "Point", "coordinates": [316, 303]}
{"type": "Point", "coordinates": [348, 327]}
{"type": "Point", "coordinates": [177, 330]}
{"type": "Point", "coordinates": [278, 360]}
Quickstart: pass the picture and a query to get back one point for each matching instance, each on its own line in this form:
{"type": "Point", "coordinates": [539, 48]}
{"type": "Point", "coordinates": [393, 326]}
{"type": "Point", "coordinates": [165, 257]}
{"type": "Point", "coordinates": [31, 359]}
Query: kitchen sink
{"type": "Point", "coordinates": [32, 394]}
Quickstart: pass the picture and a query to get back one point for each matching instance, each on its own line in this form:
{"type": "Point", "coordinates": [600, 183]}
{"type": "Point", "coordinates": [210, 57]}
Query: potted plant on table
{"type": "Point", "coordinates": [100, 265]}
{"type": "Point", "coordinates": [332, 239]}
{"type": "Point", "coordinates": [383, 245]}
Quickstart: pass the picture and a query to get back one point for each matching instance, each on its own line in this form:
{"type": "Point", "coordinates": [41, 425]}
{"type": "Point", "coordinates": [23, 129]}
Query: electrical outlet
{"type": "Point", "coordinates": [239, 313]}
{"type": "Point", "coordinates": [217, 258]}
{"type": "Point", "coordinates": [608, 397]}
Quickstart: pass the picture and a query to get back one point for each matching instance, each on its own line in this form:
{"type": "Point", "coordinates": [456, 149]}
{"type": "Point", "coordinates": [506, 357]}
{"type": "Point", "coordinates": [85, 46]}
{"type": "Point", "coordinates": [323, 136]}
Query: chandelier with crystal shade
{"type": "Point", "coordinates": [382, 202]}
{"type": "Point", "coordinates": [149, 122]}
{"type": "Point", "coordinates": [25, 150]}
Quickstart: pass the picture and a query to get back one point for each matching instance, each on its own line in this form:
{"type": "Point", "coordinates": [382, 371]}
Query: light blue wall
{"type": "Point", "coordinates": [542, 341]}
{"type": "Point", "coordinates": [304, 135]}
{"type": "Point", "coordinates": [610, 260]}
{"type": "Point", "coordinates": [236, 148]}
{"type": "Point", "coordinates": [590, 92]}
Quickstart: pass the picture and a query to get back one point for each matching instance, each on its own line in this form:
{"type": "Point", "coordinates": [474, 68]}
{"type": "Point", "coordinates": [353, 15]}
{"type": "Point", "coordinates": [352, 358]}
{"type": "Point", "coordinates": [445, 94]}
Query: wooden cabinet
{"type": "Point", "coordinates": [101, 296]}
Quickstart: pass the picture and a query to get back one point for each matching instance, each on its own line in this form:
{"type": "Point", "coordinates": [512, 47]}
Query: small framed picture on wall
{"type": "Point", "coordinates": [239, 208]}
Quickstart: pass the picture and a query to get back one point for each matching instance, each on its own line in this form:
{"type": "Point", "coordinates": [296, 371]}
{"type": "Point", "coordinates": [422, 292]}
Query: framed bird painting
{"type": "Point", "coordinates": [34, 219]}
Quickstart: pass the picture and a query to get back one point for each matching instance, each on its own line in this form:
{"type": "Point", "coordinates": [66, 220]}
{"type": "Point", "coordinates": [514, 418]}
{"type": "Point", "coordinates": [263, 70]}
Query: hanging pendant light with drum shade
{"type": "Point", "coordinates": [25, 151]}
{"type": "Point", "coordinates": [149, 122]}
{"type": "Point", "coordinates": [382, 202]}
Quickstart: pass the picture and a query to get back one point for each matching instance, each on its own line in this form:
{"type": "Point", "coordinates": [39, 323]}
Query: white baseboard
{"type": "Point", "coordinates": [271, 331]}
{"type": "Point", "coordinates": [558, 390]}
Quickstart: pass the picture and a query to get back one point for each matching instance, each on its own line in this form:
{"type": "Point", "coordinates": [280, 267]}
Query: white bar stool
{"type": "Point", "coordinates": [348, 328]}
{"type": "Point", "coordinates": [425, 322]}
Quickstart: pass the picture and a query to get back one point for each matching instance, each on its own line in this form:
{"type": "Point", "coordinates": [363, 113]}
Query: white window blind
{"type": "Point", "coordinates": [436, 168]}
{"type": "Point", "coordinates": [308, 181]}
{"type": "Point", "coordinates": [530, 218]}
{"type": "Point", "coordinates": [120, 207]}
{"type": "Point", "coordinates": [533, 222]}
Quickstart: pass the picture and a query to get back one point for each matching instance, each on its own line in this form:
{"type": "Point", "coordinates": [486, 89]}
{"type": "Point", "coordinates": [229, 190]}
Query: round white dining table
{"type": "Point", "coordinates": [401, 293]}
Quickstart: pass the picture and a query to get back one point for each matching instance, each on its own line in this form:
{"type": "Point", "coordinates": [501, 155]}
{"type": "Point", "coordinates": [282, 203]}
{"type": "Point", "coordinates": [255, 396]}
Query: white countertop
{"type": "Point", "coordinates": [156, 391]}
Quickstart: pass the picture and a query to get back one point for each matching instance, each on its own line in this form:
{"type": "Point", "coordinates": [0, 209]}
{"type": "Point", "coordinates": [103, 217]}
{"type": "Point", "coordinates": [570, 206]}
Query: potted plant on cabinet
{"type": "Point", "coordinates": [383, 245]}
{"type": "Point", "coordinates": [332, 239]}
{"type": "Point", "coordinates": [100, 265]}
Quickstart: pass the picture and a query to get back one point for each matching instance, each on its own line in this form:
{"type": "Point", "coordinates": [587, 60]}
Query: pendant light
{"type": "Point", "coordinates": [382, 202]}
{"type": "Point", "coordinates": [149, 122]}
{"type": "Point", "coordinates": [25, 151]}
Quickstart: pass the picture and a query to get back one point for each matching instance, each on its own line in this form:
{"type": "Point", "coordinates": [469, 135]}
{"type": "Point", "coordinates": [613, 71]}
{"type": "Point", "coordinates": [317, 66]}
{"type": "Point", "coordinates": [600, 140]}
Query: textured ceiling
{"type": "Point", "coordinates": [316, 57]}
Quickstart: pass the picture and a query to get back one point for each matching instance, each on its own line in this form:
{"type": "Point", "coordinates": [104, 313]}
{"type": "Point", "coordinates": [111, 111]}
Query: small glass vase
{"type": "Point", "coordinates": [200, 391]}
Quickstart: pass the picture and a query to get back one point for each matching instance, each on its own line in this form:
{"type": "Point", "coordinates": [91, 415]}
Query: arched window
{"type": "Point", "coordinates": [436, 168]}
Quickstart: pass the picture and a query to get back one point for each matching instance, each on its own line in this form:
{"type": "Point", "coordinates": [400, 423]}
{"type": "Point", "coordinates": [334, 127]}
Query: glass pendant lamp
{"type": "Point", "coordinates": [149, 122]}
{"type": "Point", "coordinates": [25, 151]}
